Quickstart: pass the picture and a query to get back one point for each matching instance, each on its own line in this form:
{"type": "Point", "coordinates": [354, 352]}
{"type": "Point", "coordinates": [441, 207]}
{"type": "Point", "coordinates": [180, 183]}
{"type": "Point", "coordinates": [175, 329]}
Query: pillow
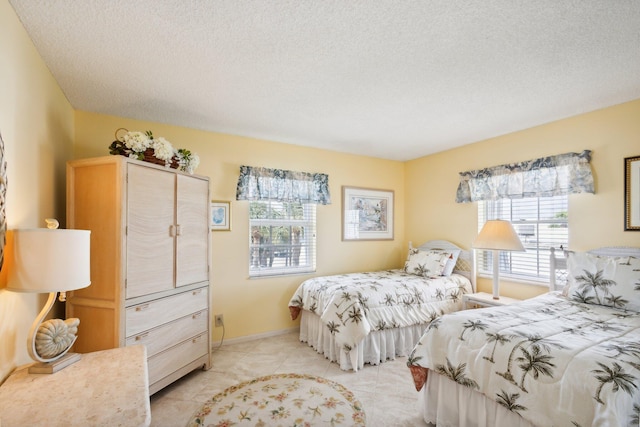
{"type": "Point", "coordinates": [426, 263]}
{"type": "Point", "coordinates": [604, 280]}
{"type": "Point", "coordinates": [451, 262]}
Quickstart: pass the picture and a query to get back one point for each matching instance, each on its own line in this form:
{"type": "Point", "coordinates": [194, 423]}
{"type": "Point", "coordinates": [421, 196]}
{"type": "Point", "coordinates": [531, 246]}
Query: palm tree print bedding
{"type": "Point", "coordinates": [551, 359]}
{"type": "Point", "coordinates": [352, 305]}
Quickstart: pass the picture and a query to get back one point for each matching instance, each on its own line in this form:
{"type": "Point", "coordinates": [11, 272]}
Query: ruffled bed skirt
{"type": "Point", "coordinates": [374, 349]}
{"type": "Point", "coordinates": [446, 403]}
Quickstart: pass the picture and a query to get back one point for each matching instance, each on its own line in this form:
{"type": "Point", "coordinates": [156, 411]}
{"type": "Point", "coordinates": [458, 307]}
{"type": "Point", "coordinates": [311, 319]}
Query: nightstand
{"type": "Point", "coordinates": [106, 388]}
{"type": "Point", "coordinates": [484, 299]}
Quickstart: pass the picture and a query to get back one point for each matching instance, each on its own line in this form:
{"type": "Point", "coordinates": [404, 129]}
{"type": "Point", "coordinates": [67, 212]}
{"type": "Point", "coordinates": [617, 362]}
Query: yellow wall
{"type": "Point", "coordinates": [36, 123]}
{"type": "Point", "coordinates": [594, 220]}
{"type": "Point", "coordinates": [255, 306]}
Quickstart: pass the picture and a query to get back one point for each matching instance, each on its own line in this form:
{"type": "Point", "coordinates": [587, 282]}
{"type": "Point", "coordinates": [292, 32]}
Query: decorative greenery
{"type": "Point", "coordinates": [187, 160]}
{"type": "Point", "coordinates": [144, 146]}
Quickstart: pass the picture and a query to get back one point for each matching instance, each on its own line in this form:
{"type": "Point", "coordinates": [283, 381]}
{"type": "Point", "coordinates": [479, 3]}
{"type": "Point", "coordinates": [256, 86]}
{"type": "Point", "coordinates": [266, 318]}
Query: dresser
{"type": "Point", "coordinates": [150, 252]}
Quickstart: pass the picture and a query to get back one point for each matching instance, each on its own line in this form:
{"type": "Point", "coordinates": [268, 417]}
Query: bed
{"type": "Point", "coordinates": [569, 357]}
{"type": "Point", "coordinates": [372, 317]}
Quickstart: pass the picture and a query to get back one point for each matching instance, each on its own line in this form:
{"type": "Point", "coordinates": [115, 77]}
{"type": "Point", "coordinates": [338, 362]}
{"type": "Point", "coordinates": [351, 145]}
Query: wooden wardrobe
{"type": "Point", "coordinates": [150, 255]}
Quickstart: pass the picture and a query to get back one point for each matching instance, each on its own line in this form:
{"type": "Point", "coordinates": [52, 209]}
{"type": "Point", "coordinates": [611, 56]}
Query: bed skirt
{"type": "Point", "coordinates": [374, 349]}
{"type": "Point", "coordinates": [446, 403]}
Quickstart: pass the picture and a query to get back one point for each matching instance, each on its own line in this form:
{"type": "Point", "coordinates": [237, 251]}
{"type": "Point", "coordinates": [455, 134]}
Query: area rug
{"type": "Point", "coordinates": [292, 400]}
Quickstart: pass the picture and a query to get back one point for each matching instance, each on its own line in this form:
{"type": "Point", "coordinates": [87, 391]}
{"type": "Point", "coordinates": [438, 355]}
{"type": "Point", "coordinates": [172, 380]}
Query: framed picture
{"type": "Point", "coordinates": [220, 215]}
{"type": "Point", "coordinates": [632, 193]}
{"type": "Point", "coordinates": [367, 214]}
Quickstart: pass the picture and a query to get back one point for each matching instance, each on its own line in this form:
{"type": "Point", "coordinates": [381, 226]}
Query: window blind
{"type": "Point", "coordinates": [282, 238]}
{"type": "Point", "coordinates": [541, 223]}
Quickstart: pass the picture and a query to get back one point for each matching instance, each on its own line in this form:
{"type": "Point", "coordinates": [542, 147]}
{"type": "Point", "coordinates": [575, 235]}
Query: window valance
{"type": "Point", "coordinates": [257, 183]}
{"type": "Point", "coordinates": [547, 176]}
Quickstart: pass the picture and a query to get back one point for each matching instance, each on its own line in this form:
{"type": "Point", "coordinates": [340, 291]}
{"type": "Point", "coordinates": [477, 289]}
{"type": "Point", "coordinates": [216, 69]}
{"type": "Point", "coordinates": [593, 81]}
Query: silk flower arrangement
{"type": "Point", "coordinates": [144, 146]}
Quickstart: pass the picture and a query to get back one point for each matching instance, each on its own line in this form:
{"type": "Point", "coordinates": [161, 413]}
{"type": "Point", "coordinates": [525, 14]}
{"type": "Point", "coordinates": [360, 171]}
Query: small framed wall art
{"type": "Point", "coordinates": [220, 215]}
{"type": "Point", "coordinates": [367, 214]}
{"type": "Point", "coordinates": [632, 193]}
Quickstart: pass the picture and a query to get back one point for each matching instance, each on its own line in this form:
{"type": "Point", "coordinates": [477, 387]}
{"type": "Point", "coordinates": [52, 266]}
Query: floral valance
{"type": "Point", "coordinates": [256, 183]}
{"type": "Point", "coordinates": [547, 176]}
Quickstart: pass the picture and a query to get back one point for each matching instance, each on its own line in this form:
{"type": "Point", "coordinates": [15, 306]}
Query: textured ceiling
{"type": "Point", "coordinates": [394, 79]}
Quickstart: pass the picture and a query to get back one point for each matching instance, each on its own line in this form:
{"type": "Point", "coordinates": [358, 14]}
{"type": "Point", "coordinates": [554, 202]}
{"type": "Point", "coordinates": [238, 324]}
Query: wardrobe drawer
{"type": "Point", "coordinates": [154, 313]}
{"type": "Point", "coordinates": [165, 336]}
{"type": "Point", "coordinates": [172, 359]}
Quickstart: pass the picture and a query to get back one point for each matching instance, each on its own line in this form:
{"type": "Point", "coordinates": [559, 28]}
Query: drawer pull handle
{"type": "Point", "coordinates": [196, 315]}
{"type": "Point", "coordinates": [197, 291]}
{"type": "Point", "coordinates": [195, 340]}
{"type": "Point", "coordinates": [142, 307]}
{"type": "Point", "coordinates": [172, 232]}
{"type": "Point", "coordinates": [142, 336]}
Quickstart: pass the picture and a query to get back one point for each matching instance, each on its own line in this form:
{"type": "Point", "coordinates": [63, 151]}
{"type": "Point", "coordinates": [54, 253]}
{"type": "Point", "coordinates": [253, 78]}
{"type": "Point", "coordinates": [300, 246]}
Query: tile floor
{"type": "Point", "coordinates": [386, 391]}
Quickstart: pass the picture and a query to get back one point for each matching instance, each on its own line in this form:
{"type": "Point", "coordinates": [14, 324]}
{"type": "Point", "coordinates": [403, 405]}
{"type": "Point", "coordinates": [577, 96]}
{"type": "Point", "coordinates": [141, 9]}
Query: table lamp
{"type": "Point", "coordinates": [49, 260]}
{"type": "Point", "coordinates": [497, 235]}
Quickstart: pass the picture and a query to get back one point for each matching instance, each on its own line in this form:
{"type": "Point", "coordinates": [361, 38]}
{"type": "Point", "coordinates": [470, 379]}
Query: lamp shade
{"type": "Point", "coordinates": [498, 234]}
{"type": "Point", "coordinates": [44, 260]}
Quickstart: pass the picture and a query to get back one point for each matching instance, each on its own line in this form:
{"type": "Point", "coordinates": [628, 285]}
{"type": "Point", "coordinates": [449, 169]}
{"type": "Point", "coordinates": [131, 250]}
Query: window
{"type": "Point", "coordinates": [282, 238]}
{"type": "Point", "coordinates": [541, 222]}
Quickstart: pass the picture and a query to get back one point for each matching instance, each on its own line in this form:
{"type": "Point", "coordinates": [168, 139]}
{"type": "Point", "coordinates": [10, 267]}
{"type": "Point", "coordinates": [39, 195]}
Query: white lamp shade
{"type": "Point", "coordinates": [44, 260]}
{"type": "Point", "coordinates": [498, 235]}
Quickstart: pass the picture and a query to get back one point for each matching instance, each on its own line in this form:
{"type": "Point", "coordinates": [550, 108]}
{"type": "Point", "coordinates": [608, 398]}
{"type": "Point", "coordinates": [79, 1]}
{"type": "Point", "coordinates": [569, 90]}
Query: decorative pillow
{"type": "Point", "coordinates": [426, 263]}
{"type": "Point", "coordinates": [604, 280]}
{"type": "Point", "coordinates": [451, 262]}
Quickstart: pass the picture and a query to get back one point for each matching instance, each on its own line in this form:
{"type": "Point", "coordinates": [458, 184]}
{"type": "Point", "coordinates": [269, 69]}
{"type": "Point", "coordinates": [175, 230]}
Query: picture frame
{"type": "Point", "coordinates": [220, 215]}
{"type": "Point", "coordinates": [632, 193]}
{"type": "Point", "coordinates": [367, 214]}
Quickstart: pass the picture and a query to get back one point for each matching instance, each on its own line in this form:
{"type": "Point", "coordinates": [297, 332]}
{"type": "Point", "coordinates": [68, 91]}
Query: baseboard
{"type": "Point", "coordinates": [247, 338]}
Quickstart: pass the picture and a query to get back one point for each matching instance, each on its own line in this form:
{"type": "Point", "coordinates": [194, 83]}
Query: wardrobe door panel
{"type": "Point", "coordinates": [192, 256]}
{"type": "Point", "coordinates": [150, 231]}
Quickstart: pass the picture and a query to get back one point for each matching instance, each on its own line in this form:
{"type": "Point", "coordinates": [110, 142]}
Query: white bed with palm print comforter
{"type": "Point", "coordinates": [370, 317]}
{"type": "Point", "coordinates": [568, 358]}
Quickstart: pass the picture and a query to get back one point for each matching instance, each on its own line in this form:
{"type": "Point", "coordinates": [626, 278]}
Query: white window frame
{"type": "Point", "coordinates": [285, 255]}
{"type": "Point", "coordinates": [537, 235]}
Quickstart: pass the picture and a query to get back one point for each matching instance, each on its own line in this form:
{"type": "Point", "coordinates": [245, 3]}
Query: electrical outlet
{"type": "Point", "coordinates": [219, 320]}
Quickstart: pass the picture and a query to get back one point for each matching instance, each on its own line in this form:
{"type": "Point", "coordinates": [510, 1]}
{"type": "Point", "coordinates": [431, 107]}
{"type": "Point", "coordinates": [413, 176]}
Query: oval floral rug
{"type": "Point", "coordinates": [282, 400]}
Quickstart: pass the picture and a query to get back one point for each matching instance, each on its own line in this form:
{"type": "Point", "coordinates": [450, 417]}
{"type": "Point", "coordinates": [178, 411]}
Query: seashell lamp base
{"type": "Point", "coordinates": [55, 336]}
{"type": "Point", "coordinates": [56, 365]}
